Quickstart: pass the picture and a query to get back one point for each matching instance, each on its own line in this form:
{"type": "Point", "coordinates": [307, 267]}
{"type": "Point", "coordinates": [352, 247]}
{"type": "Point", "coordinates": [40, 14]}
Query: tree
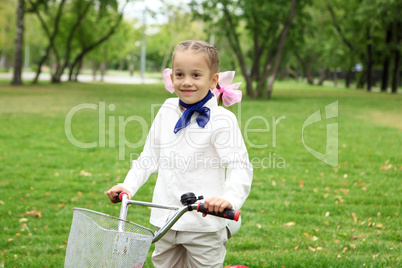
{"type": "Point", "coordinates": [17, 71]}
{"type": "Point", "coordinates": [368, 29]}
{"type": "Point", "coordinates": [266, 23]}
{"type": "Point", "coordinates": [51, 35]}
{"type": "Point", "coordinates": [77, 38]}
{"type": "Point", "coordinates": [179, 27]}
{"type": "Point", "coordinates": [7, 31]}
{"type": "Point", "coordinates": [107, 20]}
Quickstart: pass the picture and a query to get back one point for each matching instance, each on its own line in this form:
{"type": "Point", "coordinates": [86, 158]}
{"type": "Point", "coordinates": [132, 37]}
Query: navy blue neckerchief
{"type": "Point", "coordinates": [202, 117]}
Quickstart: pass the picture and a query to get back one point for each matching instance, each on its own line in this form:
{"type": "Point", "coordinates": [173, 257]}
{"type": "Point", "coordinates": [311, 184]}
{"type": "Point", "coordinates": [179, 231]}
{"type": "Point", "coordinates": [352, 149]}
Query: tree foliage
{"type": "Point", "coordinates": [370, 30]}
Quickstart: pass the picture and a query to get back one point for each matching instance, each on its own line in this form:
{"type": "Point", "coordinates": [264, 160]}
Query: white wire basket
{"type": "Point", "coordinates": [100, 240]}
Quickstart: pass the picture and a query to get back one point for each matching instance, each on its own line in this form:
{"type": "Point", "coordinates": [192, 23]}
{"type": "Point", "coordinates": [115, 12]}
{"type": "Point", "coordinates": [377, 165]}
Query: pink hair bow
{"type": "Point", "coordinates": [168, 80]}
{"type": "Point", "coordinates": [230, 93]}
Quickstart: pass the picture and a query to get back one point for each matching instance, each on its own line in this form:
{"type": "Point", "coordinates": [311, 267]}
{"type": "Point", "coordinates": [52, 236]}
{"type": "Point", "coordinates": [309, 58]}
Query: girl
{"type": "Point", "coordinates": [195, 146]}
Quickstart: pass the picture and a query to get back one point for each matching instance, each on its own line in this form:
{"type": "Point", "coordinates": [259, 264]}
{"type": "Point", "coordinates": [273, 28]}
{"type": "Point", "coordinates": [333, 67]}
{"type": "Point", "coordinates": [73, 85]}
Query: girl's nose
{"type": "Point", "coordinates": [187, 82]}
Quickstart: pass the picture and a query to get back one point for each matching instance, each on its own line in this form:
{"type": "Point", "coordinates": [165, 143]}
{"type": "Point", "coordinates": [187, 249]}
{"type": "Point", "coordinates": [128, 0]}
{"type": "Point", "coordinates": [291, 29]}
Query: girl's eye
{"type": "Point", "coordinates": [196, 75]}
{"type": "Point", "coordinates": [179, 74]}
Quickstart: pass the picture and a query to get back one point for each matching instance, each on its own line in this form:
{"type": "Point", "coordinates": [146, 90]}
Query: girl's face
{"type": "Point", "coordinates": [191, 77]}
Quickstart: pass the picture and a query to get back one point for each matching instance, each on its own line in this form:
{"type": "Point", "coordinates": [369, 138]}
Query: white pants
{"type": "Point", "coordinates": [178, 249]}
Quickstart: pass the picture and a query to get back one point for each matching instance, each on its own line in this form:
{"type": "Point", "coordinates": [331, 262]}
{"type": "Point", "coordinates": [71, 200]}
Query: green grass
{"type": "Point", "coordinates": [301, 212]}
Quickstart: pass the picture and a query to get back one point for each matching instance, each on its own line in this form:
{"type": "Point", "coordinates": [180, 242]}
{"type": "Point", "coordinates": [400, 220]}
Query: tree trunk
{"type": "Point", "coordinates": [56, 77]}
{"type": "Point", "coordinates": [77, 71]}
{"type": "Point", "coordinates": [292, 72]}
{"type": "Point", "coordinates": [397, 59]}
{"type": "Point", "coordinates": [387, 60]}
{"type": "Point", "coordinates": [361, 81]}
{"type": "Point", "coordinates": [281, 48]}
{"type": "Point", "coordinates": [369, 61]}
{"type": "Point", "coordinates": [51, 37]}
{"type": "Point", "coordinates": [78, 59]}
{"type": "Point", "coordinates": [3, 57]}
{"type": "Point", "coordinates": [348, 78]}
{"type": "Point", "coordinates": [19, 35]}
{"type": "Point", "coordinates": [397, 67]}
{"type": "Point", "coordinates": [103, 65]}
{"type": "Point", "coordinates": [335, 78]}
{"type": "Point", "coordinates": [322, 77]}
{"type": "Point", "coordinates": [94, 68]}
{"type": "Point", "coordinates": [234, 42]}
{"type": "Point", "coordinates": [166, 57]}
{"type": "Point", "coordinates": [306, 69]}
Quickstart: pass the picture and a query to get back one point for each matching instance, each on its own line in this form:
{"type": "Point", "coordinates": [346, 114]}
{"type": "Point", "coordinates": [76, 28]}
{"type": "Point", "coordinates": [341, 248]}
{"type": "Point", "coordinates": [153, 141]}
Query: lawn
{"type": "Point", "coordinates": [301, 211]}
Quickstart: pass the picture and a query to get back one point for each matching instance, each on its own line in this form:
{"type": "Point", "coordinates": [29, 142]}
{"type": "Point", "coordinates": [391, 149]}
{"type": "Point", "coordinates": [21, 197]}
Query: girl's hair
{"type": "Point", "coordinates": [202, 47]}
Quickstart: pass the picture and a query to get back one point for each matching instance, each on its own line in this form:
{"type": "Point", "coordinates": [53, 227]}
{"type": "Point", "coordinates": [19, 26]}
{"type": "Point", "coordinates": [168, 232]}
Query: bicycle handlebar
{"type": "Point", "coordinates": [199, 207]}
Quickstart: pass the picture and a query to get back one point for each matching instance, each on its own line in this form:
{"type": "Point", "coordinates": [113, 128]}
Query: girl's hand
{"type": "Point", "coordinates": [114, 192]}
{"type": "Point", "coordinates": [216, 204]}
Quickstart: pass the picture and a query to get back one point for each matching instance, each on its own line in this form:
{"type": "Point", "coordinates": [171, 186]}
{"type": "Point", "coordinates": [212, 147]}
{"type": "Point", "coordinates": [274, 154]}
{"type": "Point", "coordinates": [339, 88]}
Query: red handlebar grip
{"type": "Point", "coordinates": [119, 198]}
{"type": "Point", "coordinates": [227, 213]}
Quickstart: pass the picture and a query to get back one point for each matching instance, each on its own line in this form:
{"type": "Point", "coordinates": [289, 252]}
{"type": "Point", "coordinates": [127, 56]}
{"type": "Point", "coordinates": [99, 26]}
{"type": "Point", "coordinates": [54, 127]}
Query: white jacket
{"type": "Point", "coordinates": [193, 160]}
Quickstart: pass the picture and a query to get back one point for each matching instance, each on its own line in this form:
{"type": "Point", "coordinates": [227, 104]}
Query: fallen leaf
{"type": "Point", "coordinates": [1, 202]}
{"type": "Point", "coordinates": [23, 220]}
{"type": "Point", "coordinates": [10, 239]}
{"type": "Point", "coordinates": [259, 226]}
{"type": "Point", "coordinates": [301, 184]}
{"type": "Point", "coordinates": [314, 238]}
{"type": "Point", "coordinates": [86, 174]}
{"type": "Point", "coordinates": [344, 249]}
{"type": "Point", "coordinates": [34, 213]}
{"type": "Point", "coordinates": [312, 249]}
{"type": "Point", "coordinates": [319, 248]}
{"type": "Point", "coordinates": [297, 246]}
{"type": "Point", "coordinates": [327, 214]}
{"type": "Point", "coordinates": [353, 246]}
{"type": "Point", "coordinates": [387, 167]}
{"type": "Point", "coordinates": [353, 237]}
{"type": "Point", "coordinates": [379, 225]}
{"type": "Point", "coordinates": [273, 183]}
{"type": "Point", "coordinates": [292, 223]}
{"type": "Point", "coordinates": [344, 191]}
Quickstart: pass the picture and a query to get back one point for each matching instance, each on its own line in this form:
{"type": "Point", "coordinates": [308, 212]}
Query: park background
{"type": "Point", "coordinates": [294, 58]}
